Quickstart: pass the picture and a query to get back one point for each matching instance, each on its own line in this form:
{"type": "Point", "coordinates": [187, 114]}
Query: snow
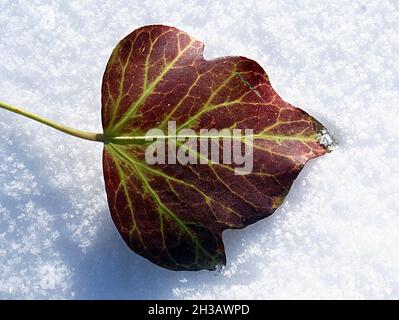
{"type": "Point", "coordinates": [336, 235]}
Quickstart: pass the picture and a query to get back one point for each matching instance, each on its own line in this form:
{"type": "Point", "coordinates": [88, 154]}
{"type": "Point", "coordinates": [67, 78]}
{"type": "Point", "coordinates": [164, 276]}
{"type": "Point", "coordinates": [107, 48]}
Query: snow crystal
{"type": "Point", "coordinates": [336, 235]}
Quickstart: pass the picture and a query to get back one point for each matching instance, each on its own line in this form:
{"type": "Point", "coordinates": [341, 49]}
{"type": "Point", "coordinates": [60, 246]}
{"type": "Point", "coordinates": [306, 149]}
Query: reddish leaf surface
{"type": "Point", "coordinates": [173, 214]}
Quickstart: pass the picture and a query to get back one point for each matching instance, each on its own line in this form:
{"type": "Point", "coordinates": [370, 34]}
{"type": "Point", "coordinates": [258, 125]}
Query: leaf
{"type": "Point", "coordinates": [174, 214]}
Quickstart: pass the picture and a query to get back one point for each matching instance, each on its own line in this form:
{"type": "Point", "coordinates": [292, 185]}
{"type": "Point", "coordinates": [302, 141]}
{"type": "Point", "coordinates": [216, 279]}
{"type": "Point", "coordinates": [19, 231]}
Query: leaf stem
{"type": "Point", "coordinates": [91, 136]}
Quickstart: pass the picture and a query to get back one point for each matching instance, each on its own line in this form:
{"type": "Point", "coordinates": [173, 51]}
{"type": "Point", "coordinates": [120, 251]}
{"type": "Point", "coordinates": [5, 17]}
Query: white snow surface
{"type": "Point", "coordinates": [337, 234]}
